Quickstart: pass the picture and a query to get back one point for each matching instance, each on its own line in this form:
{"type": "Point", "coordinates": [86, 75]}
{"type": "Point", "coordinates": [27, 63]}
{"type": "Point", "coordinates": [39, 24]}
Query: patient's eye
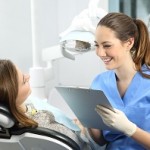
{"type": "Point", "coordinates": [25, 78]}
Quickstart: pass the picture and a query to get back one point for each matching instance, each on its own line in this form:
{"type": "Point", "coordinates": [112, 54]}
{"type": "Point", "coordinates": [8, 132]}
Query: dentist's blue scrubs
{"type": "Point", "coordinates": [135, 104]}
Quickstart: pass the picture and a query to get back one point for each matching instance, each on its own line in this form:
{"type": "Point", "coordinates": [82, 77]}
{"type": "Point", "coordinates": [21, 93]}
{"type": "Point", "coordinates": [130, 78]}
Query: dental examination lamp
{"type": "Point", "coordinates": [77, 39]}
{"type": "Point", "coordinates": [77, 42]}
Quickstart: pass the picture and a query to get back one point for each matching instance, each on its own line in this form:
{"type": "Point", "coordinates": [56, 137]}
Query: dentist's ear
{"type": "Point", "coordinates": [130, 43]}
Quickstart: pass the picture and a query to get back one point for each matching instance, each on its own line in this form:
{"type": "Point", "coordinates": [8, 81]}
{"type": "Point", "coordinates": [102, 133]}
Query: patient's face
{"type": "Point", "coordinates": [24, 87]}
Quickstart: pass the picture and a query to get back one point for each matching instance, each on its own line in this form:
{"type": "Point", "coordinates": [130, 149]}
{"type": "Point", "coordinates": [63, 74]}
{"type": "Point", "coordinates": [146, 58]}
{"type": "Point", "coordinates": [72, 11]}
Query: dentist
{"type": "Point", "coordinates": [122, 43]}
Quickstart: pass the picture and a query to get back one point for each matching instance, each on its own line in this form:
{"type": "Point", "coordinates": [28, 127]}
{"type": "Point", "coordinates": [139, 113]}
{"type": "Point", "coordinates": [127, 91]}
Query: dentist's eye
{"type": "Point", "coordinates": [96, 45]}
{"type": "Point", "coordinates": [107, 46]}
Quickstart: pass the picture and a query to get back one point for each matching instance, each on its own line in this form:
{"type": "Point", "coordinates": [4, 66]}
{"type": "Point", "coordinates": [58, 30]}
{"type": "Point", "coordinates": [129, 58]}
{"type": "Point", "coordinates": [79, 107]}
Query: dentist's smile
{"type": "Point", "coordinates": [106, 60]}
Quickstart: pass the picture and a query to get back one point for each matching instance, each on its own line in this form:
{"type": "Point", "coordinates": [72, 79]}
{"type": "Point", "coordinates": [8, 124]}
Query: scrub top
{"type": "Point", "coordinates": [135, 104]}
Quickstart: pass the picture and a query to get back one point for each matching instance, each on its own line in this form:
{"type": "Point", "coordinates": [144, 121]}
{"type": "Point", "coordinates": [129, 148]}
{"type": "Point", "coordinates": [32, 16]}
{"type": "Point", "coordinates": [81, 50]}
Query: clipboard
{"type": "Point", "coordinates": [82, 102]}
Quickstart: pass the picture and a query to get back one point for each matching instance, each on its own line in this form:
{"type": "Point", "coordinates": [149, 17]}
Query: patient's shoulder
{"type": "Point", "coordinates": [40, 116]}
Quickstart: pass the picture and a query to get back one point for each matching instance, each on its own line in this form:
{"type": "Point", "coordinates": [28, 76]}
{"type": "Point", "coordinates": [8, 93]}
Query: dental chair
{"type": "Point", "coordinates": [30, 138]}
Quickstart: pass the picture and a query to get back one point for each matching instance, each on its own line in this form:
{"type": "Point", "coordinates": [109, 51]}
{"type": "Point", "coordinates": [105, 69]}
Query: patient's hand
{"type": "Point", "coordinates": [83, 132]}
{"type": "Point", "coordinates": [78, 123]}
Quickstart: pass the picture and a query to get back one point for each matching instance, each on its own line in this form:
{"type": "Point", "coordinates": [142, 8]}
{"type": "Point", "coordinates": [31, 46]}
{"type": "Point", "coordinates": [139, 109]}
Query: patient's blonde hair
{"type": "Point", "coordinates": [9, 92]}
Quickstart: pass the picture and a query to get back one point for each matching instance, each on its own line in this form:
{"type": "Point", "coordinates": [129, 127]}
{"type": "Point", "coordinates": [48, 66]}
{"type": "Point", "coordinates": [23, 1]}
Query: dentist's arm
{"type": "Point", "coordinates": [142, 137]}
{"type": "Point", "coordinates": [117, 120]}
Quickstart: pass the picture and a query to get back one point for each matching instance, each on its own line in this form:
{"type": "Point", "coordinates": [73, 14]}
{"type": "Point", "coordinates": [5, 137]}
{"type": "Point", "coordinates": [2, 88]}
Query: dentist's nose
{"type": "Point", "coordinates": [100, 52]}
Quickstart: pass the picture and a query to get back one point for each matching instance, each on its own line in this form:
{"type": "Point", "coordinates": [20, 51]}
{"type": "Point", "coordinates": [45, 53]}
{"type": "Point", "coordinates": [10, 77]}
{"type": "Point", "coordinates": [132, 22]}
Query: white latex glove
{"type": "Point", "coordinates": [116, 120]}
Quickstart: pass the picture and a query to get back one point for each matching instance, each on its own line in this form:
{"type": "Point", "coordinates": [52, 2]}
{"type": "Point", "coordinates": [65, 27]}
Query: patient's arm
{"type": "Point", "coordinates": [95, 134]}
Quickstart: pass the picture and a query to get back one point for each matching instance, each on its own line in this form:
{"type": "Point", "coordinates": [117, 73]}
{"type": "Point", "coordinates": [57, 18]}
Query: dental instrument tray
{"type": "Point", "coordinates": [82, 102]}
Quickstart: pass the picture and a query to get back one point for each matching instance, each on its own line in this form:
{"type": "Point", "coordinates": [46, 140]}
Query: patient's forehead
{"type": "Point", "coordinates": [19, 72]}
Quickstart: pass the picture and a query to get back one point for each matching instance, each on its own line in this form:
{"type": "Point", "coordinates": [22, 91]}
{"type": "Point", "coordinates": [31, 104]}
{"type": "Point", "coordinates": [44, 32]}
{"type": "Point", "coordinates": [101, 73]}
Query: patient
{"type": "Point", "coordinates": [14, 90]}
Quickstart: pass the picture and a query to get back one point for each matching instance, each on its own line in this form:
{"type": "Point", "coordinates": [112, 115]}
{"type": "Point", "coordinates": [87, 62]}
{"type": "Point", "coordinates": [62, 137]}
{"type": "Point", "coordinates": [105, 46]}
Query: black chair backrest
{"type": "Point", "coordinates": [7, 130]}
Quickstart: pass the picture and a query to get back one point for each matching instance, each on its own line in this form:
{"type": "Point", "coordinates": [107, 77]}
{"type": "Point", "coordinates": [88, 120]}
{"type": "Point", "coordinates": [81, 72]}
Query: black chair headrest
{"type": "Point", "coordinates": [6, 119]}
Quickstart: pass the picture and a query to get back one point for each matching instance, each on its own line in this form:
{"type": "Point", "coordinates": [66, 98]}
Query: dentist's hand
{"type": "Point", "coordinates": [116, 120]}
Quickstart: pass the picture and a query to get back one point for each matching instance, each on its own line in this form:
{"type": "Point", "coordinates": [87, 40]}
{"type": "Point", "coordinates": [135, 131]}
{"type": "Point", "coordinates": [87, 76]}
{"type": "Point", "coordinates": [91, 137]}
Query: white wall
{"type": "Point", "coordinates": [15, 34]}
{"type": "Point", "coordinates": [15, 27]}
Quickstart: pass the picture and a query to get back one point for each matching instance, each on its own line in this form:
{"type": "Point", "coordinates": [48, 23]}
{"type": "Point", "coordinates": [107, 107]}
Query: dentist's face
{"type": "Point", "coordinates": [24, 87]}
{"type": "Point", "coordinates": [110, 49]}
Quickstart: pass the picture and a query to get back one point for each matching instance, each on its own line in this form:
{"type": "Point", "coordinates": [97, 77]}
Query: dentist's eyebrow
{"type": "Point", "coordinates": [105, 42]}
{"type": "Point", "coordinates": [95, 42]}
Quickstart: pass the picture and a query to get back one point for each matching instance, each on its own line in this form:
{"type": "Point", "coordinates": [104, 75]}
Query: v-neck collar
{"type": "Point", "coordinates": [132, 89]}
{"type": "Point", "coordinates": [129, 94]}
